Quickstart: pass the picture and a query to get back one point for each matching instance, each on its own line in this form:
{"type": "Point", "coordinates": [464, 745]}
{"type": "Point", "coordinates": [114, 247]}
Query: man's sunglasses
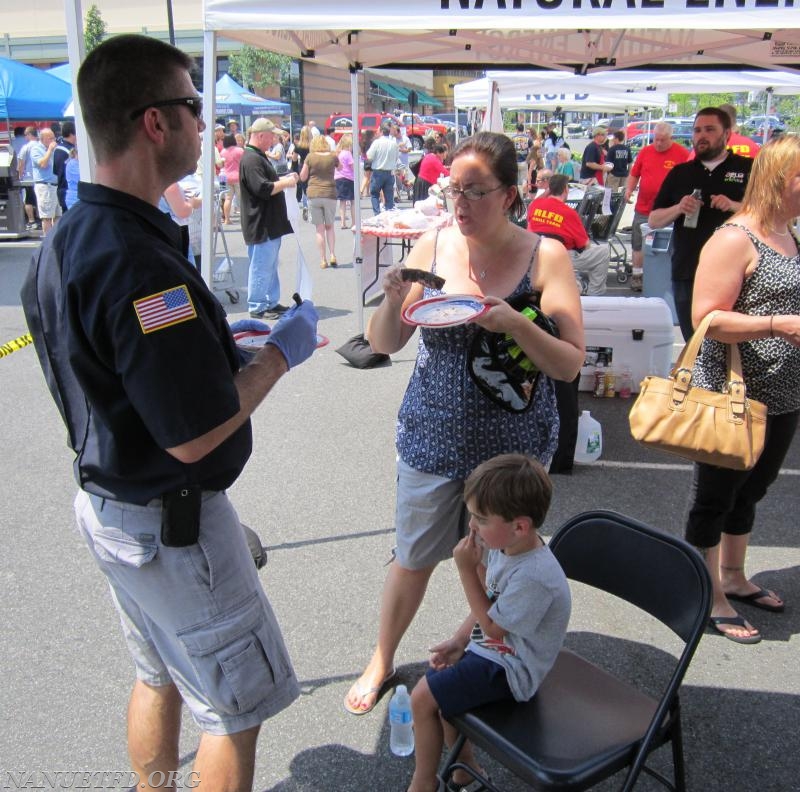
{"type": "Point", "coordinates": [194, 103]}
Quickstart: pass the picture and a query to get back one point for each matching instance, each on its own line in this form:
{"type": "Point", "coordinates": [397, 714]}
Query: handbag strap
{"type": "Point", "coordinates": [682, 371]}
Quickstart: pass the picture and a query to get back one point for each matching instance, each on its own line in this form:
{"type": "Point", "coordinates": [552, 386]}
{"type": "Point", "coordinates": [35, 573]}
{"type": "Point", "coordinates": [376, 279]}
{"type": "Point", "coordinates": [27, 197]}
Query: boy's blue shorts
{"type": "Point", "coordinates": [472, 681]}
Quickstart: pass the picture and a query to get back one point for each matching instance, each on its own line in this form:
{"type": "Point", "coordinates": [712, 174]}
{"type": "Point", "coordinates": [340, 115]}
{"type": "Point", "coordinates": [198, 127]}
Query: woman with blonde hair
{"type": "Point", "coordinates": [344, 178]}
{"type": "Point", "coordinates": [318, 170]}
{"type": "Point", "coordinates": [749, 273]}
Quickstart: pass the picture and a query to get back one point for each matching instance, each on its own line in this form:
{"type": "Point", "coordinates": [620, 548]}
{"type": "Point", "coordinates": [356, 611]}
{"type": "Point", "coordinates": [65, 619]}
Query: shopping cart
{"type": "Point", "coordinates": [222, 278]}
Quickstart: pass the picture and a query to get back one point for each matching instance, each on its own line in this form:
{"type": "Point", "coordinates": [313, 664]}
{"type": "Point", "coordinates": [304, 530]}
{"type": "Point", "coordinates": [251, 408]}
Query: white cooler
{"type": "Point", "coordinates": [636, 332]}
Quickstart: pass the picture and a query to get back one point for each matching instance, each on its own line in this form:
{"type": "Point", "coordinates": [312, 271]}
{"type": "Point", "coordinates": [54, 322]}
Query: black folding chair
{"type": "Point", "coordinates": [584, 724]}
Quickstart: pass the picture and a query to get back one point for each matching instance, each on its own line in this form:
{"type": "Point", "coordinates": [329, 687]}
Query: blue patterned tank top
{"type": "Point", "coordinates": [447, 427]}
{"type": "Point", "coordinates": [770, 366]}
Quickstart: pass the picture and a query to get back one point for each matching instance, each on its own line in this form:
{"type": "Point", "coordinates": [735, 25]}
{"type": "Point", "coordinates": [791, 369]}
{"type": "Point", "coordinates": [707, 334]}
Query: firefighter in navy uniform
{"type": "Point", "coordinates": [143, 368]}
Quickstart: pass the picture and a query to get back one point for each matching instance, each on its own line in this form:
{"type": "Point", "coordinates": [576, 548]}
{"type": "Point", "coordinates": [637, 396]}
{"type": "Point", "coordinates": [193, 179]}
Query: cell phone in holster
{"type": "Point", "coordinates": [180, 517]}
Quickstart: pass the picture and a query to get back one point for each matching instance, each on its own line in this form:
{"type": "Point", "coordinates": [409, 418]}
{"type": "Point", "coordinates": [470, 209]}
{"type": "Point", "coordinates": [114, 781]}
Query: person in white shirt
{"type": "Point", "coordinates": [383, 155]}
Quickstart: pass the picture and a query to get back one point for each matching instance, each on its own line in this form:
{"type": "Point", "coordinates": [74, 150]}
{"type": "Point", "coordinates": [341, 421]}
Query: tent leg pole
{"type": "Point", "coordinates": [357, 172]}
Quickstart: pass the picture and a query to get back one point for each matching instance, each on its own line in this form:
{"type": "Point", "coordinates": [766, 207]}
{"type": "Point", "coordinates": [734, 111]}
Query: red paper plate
{"type": "Point", "coordinates": [445, 310]}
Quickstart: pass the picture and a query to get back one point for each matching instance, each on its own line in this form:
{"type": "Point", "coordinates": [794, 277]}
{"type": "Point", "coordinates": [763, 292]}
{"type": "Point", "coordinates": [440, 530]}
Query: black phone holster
{"type": "Point", "coordinates": [180, 516]}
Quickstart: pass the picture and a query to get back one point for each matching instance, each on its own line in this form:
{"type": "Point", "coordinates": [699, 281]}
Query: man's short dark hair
{"type": "Point", "coordinates": [68, 129]}
{"type": "Point", "coordinates": [120, 76]}
{"type": "Point", "coordinates": [720, 114]}
{"type": "Point", "coordinates": [558, 183]}
{"type": "Point", "coordinates": [19, 131]}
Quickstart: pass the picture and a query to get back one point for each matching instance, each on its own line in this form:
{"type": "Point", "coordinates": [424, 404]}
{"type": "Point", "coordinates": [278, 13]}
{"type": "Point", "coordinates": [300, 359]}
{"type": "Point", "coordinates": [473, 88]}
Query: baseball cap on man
{"type": "Point", "coordinates": [599, 131]}
{"type": "Point", "coordinates": [262, 125]}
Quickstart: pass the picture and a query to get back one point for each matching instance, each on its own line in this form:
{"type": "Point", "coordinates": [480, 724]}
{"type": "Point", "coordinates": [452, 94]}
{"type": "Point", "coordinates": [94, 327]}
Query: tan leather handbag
{"type": "Point", "coordinates": [724, 429]}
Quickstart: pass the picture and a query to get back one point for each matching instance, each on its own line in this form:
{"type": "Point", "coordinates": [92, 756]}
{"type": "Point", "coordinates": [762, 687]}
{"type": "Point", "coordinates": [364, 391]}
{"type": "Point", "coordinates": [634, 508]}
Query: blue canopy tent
{"type": "Point", "coordinates": [232, 98]}
{"type": "Point", "coordinates": [30, 94]}
{"type": "Point", "coordinates": [235, 99]}
{"type": "Point", "coordinates": [62, 72]}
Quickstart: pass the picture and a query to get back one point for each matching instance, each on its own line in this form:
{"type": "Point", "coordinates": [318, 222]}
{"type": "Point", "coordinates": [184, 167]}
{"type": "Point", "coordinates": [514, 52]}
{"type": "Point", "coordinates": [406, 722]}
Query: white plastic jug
{"type": "Point", "coordinates": [589, 444]}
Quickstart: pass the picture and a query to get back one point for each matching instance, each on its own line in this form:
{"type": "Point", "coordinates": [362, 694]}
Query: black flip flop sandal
{"type": "Point", "coordinates": [715, 621]}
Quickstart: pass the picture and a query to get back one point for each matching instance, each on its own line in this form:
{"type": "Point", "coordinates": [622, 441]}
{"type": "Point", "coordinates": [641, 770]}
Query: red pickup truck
{"type": "Point", "coordinates": [417, 129]}
{"type": "Point", "coordinates": [342, 123]}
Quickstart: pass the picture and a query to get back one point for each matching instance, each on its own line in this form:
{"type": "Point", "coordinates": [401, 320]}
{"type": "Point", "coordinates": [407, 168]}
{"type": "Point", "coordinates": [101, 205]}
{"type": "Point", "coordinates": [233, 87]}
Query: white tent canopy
{"type": "Point", "coordinates": [677, 81]}
{"type": "Point", "coordinates": [572, 36]}
{"type": "Point", "coordinates": [557, 34]}
{"type": "Point", "coordinates": [549, 94]}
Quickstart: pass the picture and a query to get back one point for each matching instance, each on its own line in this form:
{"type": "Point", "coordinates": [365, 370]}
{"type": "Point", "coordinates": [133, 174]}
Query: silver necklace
{"type": "Point", "coordinates": [482, 273]}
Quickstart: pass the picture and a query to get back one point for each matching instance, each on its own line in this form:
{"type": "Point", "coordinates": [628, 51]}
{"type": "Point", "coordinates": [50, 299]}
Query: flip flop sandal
{"type": "Point", "coordinates": [715, 621]}
{"type": "Point", "coordinates": [752, 599]}
{"type": "Point", "coordinates": [377, 690]}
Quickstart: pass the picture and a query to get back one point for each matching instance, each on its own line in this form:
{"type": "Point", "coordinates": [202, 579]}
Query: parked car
{"type": "Point", "coordinates": [342, 123]}
{"type": "Point", "coordinates": [577, 129]}
{"type": "Point", "coordinates": [417, 129]}
{"type": "Point", "coordinates": [615, 123]}
{"type": "Point", "coordinates": [754, 126]}
{"type": "Point", "coordinates": [451, 126]}
{"type": "Point", "coordinates": [680, 135]}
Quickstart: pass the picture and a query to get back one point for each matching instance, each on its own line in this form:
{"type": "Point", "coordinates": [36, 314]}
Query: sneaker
{"type": "Point", "coordinates": [257, 314]}
{"type": "Point", "coordinates": [636, 283]}
{"type": "Point", "coordinates": [305, 213]}
{"type": "Point", "coordinates": [276, 311]}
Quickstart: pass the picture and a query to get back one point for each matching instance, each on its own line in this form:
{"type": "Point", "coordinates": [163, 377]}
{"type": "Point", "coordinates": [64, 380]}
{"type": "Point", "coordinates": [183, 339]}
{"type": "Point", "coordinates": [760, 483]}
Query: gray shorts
{"type": "Point", "coordinates": [323, 210]}
{"type": "Point", "coordinates": [430, 517]}
{"type": "Point", "coordinates": [637, 240]}
{"type": "Point", "coordinates": [194, 616]}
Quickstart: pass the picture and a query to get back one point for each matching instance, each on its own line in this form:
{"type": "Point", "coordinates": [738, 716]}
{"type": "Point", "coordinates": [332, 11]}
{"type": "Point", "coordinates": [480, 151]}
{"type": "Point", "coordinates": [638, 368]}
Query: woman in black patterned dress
{"type": "Point", "coordinates": [749, 271]}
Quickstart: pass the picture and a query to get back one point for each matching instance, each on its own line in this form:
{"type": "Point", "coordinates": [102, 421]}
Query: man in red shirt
{"type": "Point", "coordinates": [551, 217]}
{"type": "Point", "coordinates": [739, 144]}
{"type": "Point", "coordinates": [649, 170]}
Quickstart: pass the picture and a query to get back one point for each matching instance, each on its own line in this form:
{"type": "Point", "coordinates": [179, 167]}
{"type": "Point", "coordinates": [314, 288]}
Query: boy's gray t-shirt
{"type": "Point", "coordinates": [532, 604]}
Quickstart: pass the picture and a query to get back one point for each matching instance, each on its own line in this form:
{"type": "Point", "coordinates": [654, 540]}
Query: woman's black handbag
{"type": "Point", "coordinates": [499, 367]}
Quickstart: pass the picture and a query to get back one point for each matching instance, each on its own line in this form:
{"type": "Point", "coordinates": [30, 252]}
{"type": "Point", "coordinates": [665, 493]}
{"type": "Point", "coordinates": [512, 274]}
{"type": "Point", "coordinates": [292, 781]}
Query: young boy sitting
{"type": "Point", "coordinates": [519, 609]}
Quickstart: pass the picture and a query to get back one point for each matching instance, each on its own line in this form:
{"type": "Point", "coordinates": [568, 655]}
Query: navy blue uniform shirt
{"type": "Point", "coordinates": [135, 349]}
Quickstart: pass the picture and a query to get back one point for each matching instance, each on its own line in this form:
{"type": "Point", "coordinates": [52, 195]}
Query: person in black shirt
{"type": "Point", "coordinates": [619, 155]}
{"type": "Point", "coordinates": [144, 370]}
{"type": "Point", "coordinates": [722, 177]}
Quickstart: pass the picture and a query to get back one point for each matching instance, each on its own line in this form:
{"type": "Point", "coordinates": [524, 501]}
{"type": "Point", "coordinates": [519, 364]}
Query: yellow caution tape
{"type": "Point", "coordinates": [18, 343]}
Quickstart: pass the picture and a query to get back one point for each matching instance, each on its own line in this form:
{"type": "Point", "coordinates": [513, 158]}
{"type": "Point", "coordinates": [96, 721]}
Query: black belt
{"type": "Point", "coordinates": [49, 184]}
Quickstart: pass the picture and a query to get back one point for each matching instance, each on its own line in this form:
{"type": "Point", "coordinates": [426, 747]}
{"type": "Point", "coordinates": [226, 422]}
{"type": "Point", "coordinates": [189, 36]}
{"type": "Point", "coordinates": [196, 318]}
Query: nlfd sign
{"type": "Point", "coordinates": [556, 97]}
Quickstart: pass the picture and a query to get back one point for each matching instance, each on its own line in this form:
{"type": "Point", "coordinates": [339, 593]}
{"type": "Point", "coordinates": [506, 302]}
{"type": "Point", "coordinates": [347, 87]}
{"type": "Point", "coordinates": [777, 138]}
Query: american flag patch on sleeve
{"type": "Point", "coordinates": [164, 309]}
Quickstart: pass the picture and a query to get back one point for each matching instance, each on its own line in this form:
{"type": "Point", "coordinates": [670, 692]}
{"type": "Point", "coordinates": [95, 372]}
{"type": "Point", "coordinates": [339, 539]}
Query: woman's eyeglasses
{"type": "Point", "coordinates": [471, 193]}
{"type": "Point", "coordinates": [194, 103]}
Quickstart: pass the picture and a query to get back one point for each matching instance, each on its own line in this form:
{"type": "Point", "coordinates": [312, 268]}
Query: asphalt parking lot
{"type": "Point", "coordinates": [319, 489]}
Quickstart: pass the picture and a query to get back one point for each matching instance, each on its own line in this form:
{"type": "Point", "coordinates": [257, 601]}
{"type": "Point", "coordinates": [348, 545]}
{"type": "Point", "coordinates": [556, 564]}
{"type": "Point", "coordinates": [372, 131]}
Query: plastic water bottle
{"type": "Point", "coordinates": [589, 444]}
{"type": "Point", "coordinates": [401, 732]}
{"type": "Point", "coordinates": [690, 221]}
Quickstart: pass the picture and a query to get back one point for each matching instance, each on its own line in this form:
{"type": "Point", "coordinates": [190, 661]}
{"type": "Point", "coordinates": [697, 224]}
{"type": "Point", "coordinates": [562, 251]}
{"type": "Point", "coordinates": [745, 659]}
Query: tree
{"type": "Point", "coordinates": [255, 68]}
{"type": "Point", "coordinates": [95, 30]}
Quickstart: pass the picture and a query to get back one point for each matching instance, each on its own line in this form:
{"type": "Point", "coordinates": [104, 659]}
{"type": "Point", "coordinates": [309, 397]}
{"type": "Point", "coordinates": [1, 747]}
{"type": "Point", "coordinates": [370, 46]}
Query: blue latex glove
{"type": "Point", "coordinates": [249, 326]}
{"type": "Point", "coordinates": [295, 333]}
